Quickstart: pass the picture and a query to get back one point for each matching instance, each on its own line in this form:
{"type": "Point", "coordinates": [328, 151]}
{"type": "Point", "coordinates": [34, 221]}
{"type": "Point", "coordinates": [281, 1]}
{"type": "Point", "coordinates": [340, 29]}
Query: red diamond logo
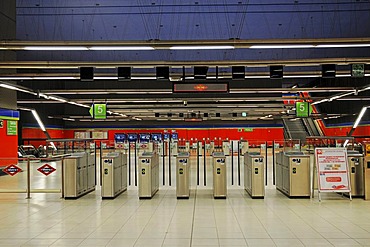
{"type": "Point", "coordinates": [46, 169]}
{"type": "Point", "coordinates": [12, 170]}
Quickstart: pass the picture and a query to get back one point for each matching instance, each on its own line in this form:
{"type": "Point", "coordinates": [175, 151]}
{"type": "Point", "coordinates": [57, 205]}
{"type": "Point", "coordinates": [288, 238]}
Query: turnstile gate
{"type": "Point", "coordinates": [148, 175]}
{"type": "Point", "coordinates": [356, 172]}
{"type": "Point", "coordinates": [254, 170]}
{"type": "Point", "coordinates": [219, 175]}
{"type": "Point", "coordinates": [293, 174]}
{"type": "Point", "coordinates": [114, 178]}
{"type": "Point", "coordinates": [183, 175]}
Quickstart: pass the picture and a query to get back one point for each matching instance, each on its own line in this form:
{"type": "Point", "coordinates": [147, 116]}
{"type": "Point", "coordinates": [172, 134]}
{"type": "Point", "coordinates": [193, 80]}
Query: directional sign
{"type": "Point", "coordinates": [98, 111]}
{"type": "Point", "coordinates": [12, 170]}
{"type": "Point", "coordinates": [46, 169]}
{"type": "Point", "coordinates": [303, 109]}
{"type": "Point", "coordinates": [358, 70]}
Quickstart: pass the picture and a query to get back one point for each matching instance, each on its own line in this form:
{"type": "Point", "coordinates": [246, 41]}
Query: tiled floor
{"type": "Point", "coordinates": [47, 220]}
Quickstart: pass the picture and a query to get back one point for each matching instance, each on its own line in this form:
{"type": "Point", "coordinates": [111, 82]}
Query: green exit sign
{"type": "Point", "coordinates": [303, 109]}
{"type": "Point", "coordinates": [358, 70]}
{"type": "Point", "coordinates": [98, 111]}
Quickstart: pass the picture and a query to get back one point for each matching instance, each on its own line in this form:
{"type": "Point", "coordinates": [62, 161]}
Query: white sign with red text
{"type": "Point", "coordinates": [332, 169]}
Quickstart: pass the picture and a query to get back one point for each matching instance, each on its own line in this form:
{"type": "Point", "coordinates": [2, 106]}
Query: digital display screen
{"type": "Point", "coordinates": [175, 136]}
{"type": "Point", "coordinates": [166, 136]}
{"type": "Point", "coordinates": [144, 137]}
{"type": "Point", "coordinates": [156, 137]}
{"type": "Point", "coordinates": [132, 137]}
{"type": "Point", "coordinates": [120, 138]}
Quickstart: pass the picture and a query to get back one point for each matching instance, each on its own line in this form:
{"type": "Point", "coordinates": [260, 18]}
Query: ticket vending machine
{"type": "Point", "coordinates": [148, 175]}
{"type": "Point", "coordinates": [114, 179]}
{"type": "Point", "coordinates": [219, 175]}
{"type": "Point", "coordinates": [356, 170]}
{"type": "Point", "coordinates": [226, 147]}
{"type": "Point", "coordinates": [254, 178]}
{"type": "Point", "coordinates": [293, 174]}
{"type": "Point", "coordinates": [183, 175]}
{"type": "Point", "coordinates": [367, 170]}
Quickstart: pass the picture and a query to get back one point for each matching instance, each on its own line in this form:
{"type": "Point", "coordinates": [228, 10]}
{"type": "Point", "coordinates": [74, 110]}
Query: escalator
{"type": "Point", "coordinates": [300, 128]}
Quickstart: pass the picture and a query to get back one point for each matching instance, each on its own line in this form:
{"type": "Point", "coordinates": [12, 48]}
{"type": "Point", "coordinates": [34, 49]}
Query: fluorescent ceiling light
{"type": "Point", "coordinates": [55, 48]}
{"type": "Point", "coordinates": [342, 45]}
{"type": "Point", "coordinates": [362, 112]}
{"type": "Point", "coordinates": [301, 76]}
{"type": "Point", "coordinates": [202, 47]}
{"type": "Point", "coordinates": [121, 48]}
{"type": "Point", "coordinates": [16, 88]}
{"type": "Point", "coordinates": [36, 116]}
{"type": "Point", "coordinates": [280, 46]}
{"type": "Point", "coordinates": [69, 119]}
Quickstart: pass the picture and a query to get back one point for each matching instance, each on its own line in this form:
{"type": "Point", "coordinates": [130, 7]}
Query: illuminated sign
{"type": "Point", "coordinates": [200, 87]}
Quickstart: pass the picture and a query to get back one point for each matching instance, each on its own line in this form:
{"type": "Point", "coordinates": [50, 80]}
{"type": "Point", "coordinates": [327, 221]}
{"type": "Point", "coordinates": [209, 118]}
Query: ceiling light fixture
{"type": "Point", "coordinates": [120, 48]}
{"type": "Point", "coordinates": [278, 46]}
{"type": "Point", "coordinates": [202, 47]}
{"type": "Point", "coordinates": [55, 48]}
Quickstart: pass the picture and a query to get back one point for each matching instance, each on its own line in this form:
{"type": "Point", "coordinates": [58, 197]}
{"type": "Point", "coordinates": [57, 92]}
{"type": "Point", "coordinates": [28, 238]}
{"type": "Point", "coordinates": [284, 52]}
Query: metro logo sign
{"type": "Point", "coordinates": [46, 169]}
{"type": "Point", "coordinates": [12, 170]}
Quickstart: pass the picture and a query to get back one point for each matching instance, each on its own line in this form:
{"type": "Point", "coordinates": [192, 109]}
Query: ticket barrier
{"type": "Point", "coordinates": [244, 147]}
{"type": "Point", "coordinates": [174, 148]}
{"type": "Point", "coordinates": [356, 171]}
{"type": "Point", "coordinates": [183, 175]}
{"type": "Point", "coordinates": [367, 171]}
{"type": "Point", "coordinates": [254, 179]}
{"type": "Point", "coordinates": [226, 147]}
{"type": "Point", "coordinates": [293, 174]}
{"type": "Point", "coordinates": [219, 175]}
{"type": "Point", "coordinates": [148, 175]}
{"type": "Point", "coordinates": [114, 179]}
{"type": "Point", "coordinates": [76, 175]}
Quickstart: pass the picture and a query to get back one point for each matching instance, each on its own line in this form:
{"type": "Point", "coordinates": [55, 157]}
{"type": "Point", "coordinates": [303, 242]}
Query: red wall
{"type": "Point", "coordinates": [36, 133]}
{"type": "Point", "coordinates": [8, 147]}
{"type": "Point", "coordinates": [259, 135]}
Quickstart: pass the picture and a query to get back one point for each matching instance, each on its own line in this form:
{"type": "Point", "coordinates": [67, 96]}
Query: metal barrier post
{"type": "Point", "coordinates": [239, 160]}
{"type": "Point", "coordinates": [135, 164]}
{"type": "Point", "coordinates": [63, 175]}
{"type": "Point", "coordinates": [232, 163]}
{"type": "Point", "coordinates": [204, 166]}
{"type": "Point", "coordinates": [266, 163]}
{"type": "Point", "coordinates": [28, 179]}
{"type": "Point", "coordinates": [169, 164]}
{"type": "Point", "coordinates": [163, 161]}
{"type": "Point", "coordinates": [129, 163]}
{"type": "Point", "coordinates": [273, 162]}
{"type": "Point", "coordinates": [198, 154]}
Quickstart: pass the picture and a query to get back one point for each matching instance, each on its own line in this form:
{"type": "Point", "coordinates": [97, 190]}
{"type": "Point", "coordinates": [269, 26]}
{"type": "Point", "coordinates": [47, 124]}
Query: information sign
{"type": "Point", "coordinates": [332, 169]}
{"type": "Point", "coordinates": [303, 109]}
{"type": "Point", "coordinates": [11, 128]}
{"type": "Point", "coordinates": [98, 111]}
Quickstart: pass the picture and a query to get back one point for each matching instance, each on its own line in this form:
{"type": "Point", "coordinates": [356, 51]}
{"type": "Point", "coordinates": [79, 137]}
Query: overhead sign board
{"type": "Point", "coordinates": [98, 111]}
{"type": "Point", "coordinates": [181, 87]}
{"type": "Point", "coordinates": [303, 109]}
{"type": "Point", "coordinates": [332, 169]}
